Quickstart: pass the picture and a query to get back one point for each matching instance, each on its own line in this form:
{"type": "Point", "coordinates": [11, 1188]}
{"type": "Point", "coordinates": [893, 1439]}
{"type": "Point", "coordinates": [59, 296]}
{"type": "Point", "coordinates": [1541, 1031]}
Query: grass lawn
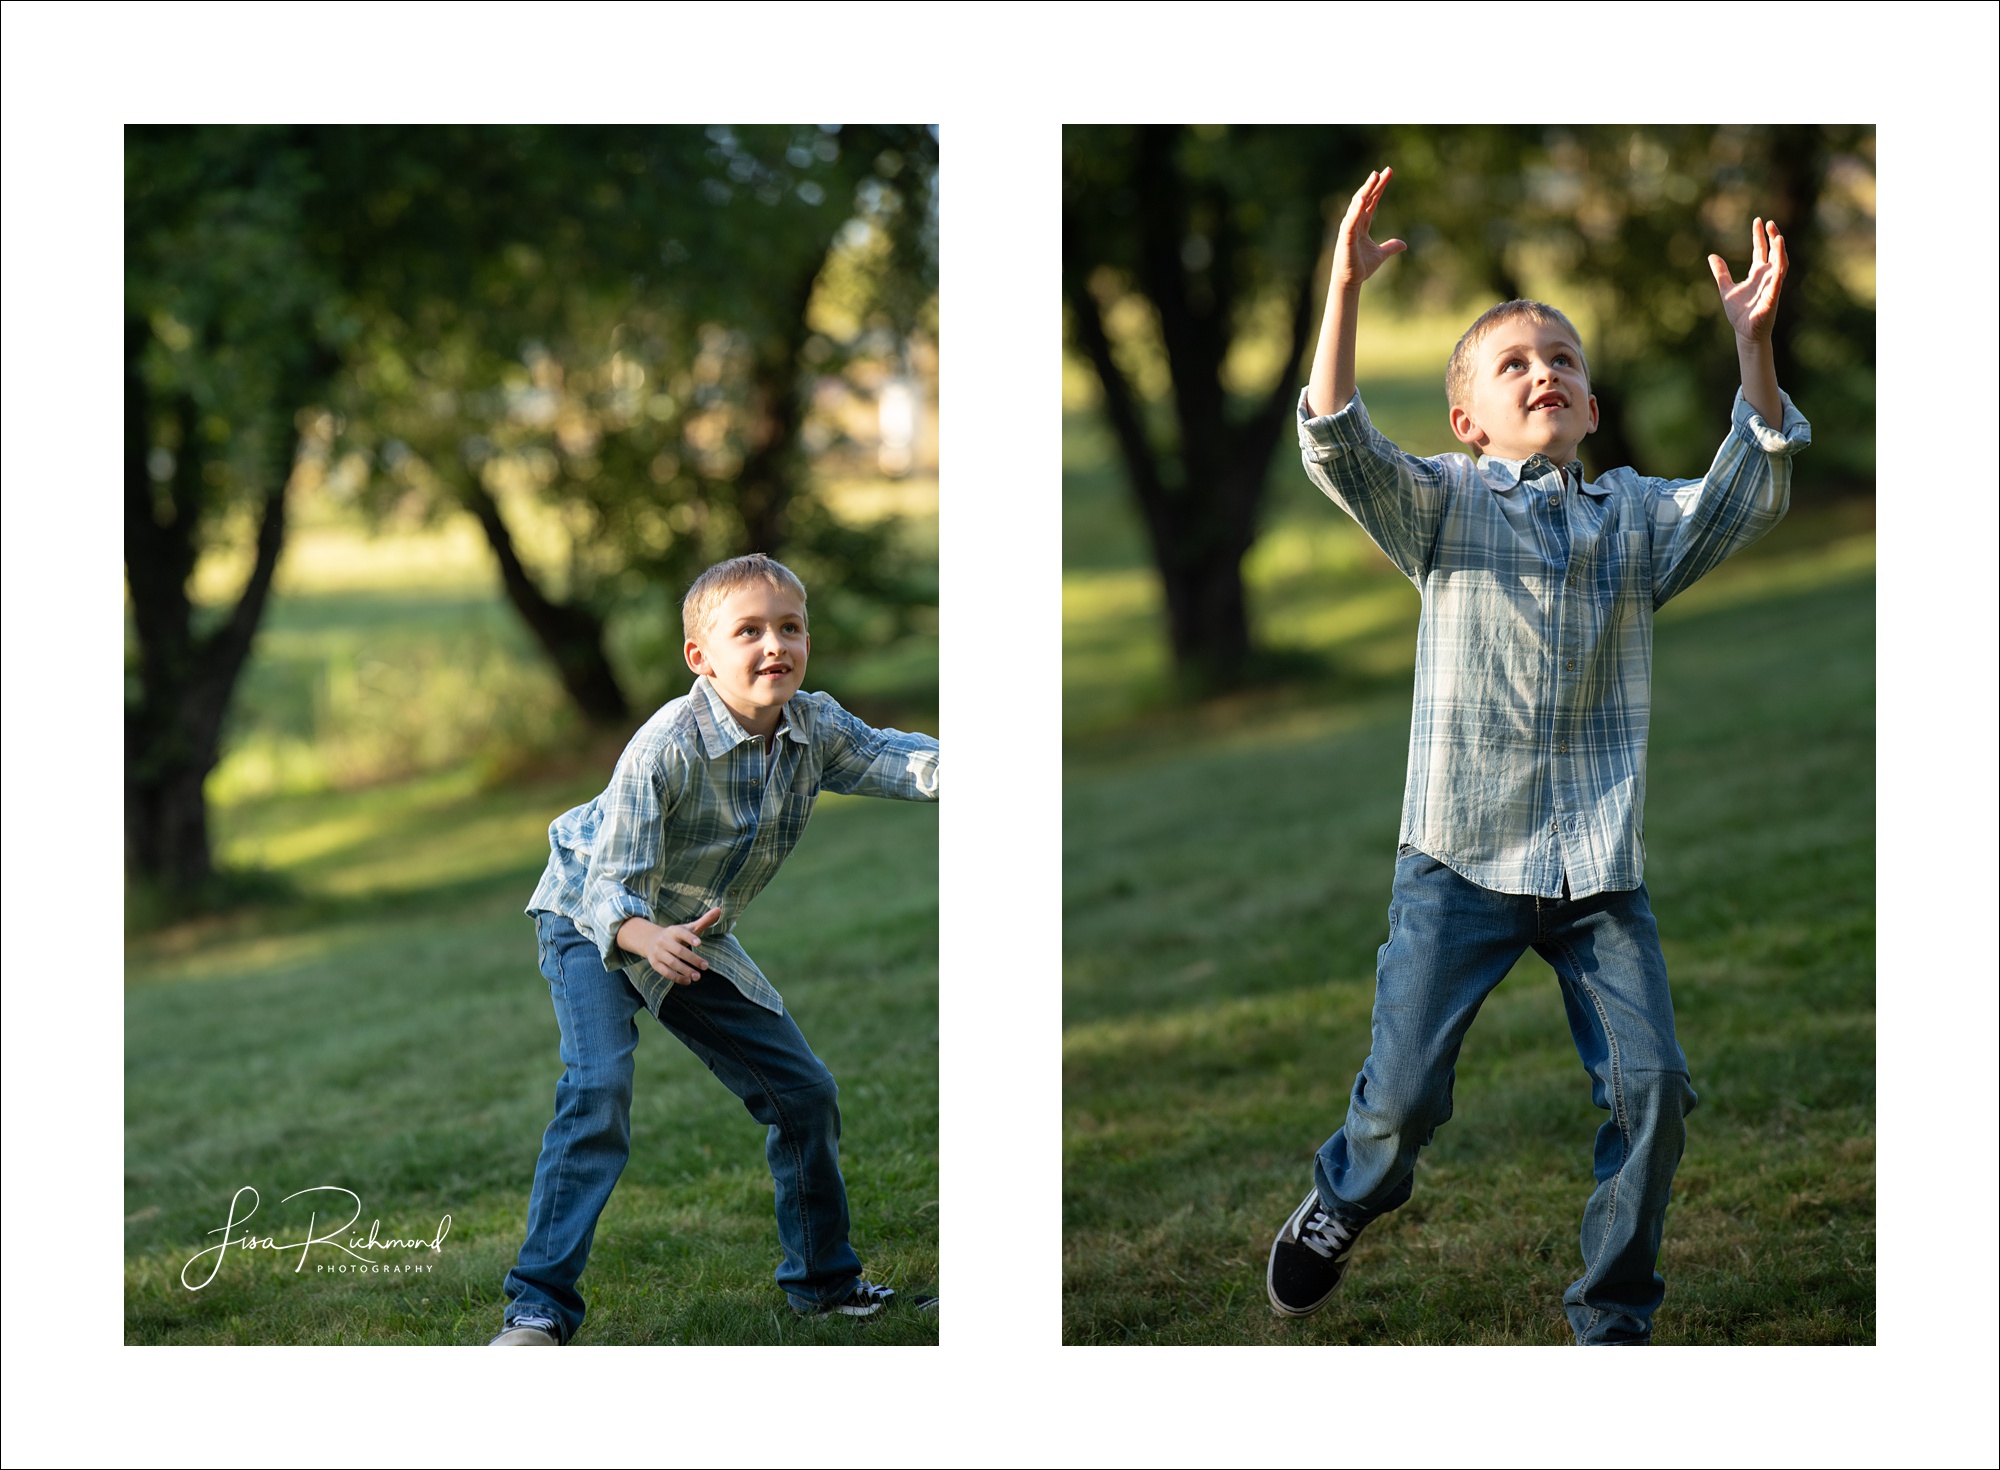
{"type": "Point", "coordinates": [379, 1024]}
{"type": "Point", "coordinates": [1226, 878]}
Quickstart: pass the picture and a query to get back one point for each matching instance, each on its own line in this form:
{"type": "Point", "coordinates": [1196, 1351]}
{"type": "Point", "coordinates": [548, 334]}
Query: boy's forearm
{"type": "Point", "coordinates": [1332, 382]}
{"type": "Point", "coordinates": [632, 934]}
{"type": "Point", "coordinates": [1760, 379]}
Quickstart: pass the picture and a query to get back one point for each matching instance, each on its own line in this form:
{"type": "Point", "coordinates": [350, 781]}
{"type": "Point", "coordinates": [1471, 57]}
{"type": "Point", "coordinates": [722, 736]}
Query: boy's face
{"type": "Point", "coordinates": [1528, 394]}
{"type": "Point", "coordinates": [754, 651]}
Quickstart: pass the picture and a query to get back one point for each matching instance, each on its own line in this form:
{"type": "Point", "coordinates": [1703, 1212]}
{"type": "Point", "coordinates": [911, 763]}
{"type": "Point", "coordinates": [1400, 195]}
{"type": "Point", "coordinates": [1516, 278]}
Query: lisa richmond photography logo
{"type": "Point", "coordinates": [360, 1253]}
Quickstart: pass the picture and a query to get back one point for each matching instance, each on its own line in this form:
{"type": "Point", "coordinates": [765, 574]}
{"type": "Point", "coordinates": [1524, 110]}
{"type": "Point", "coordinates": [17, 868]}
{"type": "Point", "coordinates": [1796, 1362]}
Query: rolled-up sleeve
{"type": "Point", "coordinates": [1397, 498]}
{"type": "Point", "coordinates": [1696, 524]}
{"type": "Point", "coordinates": [861, 760]}
{"type": "Point", "coordinates": [627, 854]}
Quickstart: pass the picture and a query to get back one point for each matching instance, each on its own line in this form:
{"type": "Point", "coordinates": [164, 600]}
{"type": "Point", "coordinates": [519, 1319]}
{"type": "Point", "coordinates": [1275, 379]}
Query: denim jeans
{"type": "Point", "coordinates": [1450, 943]}
{"type": "Point", "coordinates": [758, 1054]}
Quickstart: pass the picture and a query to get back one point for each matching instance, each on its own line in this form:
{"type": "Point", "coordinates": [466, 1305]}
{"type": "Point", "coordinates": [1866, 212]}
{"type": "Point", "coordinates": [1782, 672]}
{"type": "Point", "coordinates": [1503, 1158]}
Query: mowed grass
{"type": "Point", "coordinates": [1226, 879]}
{"type": "Point", "coordinates": [379, 1023]}
{"type": "Point", "coordinates": [397, 1040]}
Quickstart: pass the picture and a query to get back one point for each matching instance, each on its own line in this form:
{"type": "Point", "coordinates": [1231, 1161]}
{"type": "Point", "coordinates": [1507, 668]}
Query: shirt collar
{"type": "Point", "coordinates": [1505, 474]}
{"type": "Point", "coordinates": [722, 733]}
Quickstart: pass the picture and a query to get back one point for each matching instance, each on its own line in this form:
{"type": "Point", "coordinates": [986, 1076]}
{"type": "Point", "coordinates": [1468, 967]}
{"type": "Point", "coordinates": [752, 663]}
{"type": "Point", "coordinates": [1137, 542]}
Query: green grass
{"type": "Point", "coordinates": [392, 1036]}
{"type": "Point", "coordinates": [1226, 871]}
{"type": "Point", "coordinates": [378, 1022]}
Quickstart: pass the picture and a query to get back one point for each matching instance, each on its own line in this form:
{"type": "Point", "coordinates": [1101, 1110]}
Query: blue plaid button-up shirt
{"type": "Point", "coordinates": [697, 816]}
{"type": "Point", "coordinates": [1535, 646]}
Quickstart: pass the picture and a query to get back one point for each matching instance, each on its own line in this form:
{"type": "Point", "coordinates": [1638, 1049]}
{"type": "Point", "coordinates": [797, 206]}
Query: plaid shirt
{"type": "Point", "coordinates": [697, 818]}
{"type": "Point", "coordinates": [1535, 648]}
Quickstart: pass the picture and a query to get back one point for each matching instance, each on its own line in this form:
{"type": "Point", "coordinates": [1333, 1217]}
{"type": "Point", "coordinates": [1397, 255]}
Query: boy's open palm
{"type": "Point", "coordinates": [1752, 303]}
{"type": "Point", "coordinates": [1356, 256]}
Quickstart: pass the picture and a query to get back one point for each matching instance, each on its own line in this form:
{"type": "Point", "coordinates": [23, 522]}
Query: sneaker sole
{"type": "Point", "coordinates": [870, 1310]}
{"type": "Point", "coordinates": [523, 1337]}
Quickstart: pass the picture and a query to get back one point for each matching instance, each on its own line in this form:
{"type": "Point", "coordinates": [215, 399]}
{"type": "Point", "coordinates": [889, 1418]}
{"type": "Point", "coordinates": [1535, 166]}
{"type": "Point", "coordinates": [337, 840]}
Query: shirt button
{"type": "Point", "coordinates": [1571, 664]}
{"type": "Point", "coordinates": [1563, 749]}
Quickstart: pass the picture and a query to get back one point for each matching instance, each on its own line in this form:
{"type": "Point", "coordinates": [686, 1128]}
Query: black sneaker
{"type": "Point", "coordinates": [1307, 1259]}
{"type": "Point", "coordinates": [863, 1299]}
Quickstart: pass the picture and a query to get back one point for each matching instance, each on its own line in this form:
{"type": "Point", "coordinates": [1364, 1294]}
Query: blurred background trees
{"type": "Point", "coordinates": [623, 352]}
{"type": "Point", "coordinates": [1186, 251]}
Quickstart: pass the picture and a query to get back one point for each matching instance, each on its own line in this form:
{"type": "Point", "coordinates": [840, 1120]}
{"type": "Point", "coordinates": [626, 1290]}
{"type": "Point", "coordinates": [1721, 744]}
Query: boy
{"type": "Point", "coordinates": [1522, 813]}
{"type": "Point", "coordinates": [642, 889]}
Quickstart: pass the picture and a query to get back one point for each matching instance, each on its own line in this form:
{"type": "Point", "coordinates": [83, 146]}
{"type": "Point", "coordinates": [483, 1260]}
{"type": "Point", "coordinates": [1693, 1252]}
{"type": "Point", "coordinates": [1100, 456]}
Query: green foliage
{"type": "Point", "coordinates": [1615, 223]}
{"type": "Point", "coordinates": [610, 324]}
{"type": "Point", "coordinates": [233, 302]}
{"type": "Point", "coordinates": [1183, 241]}
{"type": "Point", "coordinates": [386, 1030]}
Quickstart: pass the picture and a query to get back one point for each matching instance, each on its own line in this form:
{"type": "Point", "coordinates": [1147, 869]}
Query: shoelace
{"type": "Point", "coordinates": [540, 1324]}
{"type": "Point", "coordinates": [868, 1291]}
{"type": "Point", "coordinates": [1326, 1236]}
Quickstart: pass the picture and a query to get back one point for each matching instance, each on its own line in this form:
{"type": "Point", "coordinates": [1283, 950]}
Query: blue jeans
{"type": "Point", "coordinates": [757, 1054]}
{"type": "Point", "coordinates": [1450, 943]}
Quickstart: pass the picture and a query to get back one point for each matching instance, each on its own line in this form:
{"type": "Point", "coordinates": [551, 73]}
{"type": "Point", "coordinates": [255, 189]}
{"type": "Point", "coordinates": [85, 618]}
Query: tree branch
{"type": "Point", "coordinates": [1120, 402]}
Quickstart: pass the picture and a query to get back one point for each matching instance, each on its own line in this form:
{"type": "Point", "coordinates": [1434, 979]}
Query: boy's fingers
{"type": "Point", "coordinates": [705, 920]}
{"type": "Point", "coordinates": [1719, 268]}
{"type": "Point", "coordinates": [1394, 247]}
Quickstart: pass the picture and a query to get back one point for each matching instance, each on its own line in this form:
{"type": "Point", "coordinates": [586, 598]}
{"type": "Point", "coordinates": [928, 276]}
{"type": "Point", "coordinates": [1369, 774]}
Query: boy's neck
{"type": "Point", "coordinates": [763, 723]}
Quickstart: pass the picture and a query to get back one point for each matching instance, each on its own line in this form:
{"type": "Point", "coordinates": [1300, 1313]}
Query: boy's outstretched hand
{"type": "Point", "coordinates": [1751, 304]}
{"type": "Point", "coordinates": [670, 949]}
{"type": "Point", "coordinates": [1356, 256]}
{"type": "Point", "coordinates": [1752, 308]}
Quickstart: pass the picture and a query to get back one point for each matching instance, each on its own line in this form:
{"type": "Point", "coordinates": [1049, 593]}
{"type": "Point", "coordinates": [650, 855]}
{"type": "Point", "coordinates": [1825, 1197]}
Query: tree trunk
{"type": "Point", "coordinates": [1200, 508]}
{"type": "Point", "coordinates": [767, 482]}
{"type": "Point", "coordinates": [173, 731]}
{"type": "Point", "coordinates": [572, 636]}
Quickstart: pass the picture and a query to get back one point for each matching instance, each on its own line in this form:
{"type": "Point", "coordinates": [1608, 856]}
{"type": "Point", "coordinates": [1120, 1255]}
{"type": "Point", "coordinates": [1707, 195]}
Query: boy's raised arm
{"type": "Point", "coordinates": [1356, 257]}
{"type": "Point", "coordinates": [1752, 308]}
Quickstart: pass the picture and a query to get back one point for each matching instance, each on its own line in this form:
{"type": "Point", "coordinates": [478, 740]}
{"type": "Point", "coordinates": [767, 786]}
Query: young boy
{"type": "Point", "coordinates": [636, 908]}
{"type": "Point", "coordinates": [1523, 810]}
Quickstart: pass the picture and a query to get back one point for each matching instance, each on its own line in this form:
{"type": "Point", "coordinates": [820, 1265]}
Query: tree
{"type": "Point", "coordinates": [1213, 235]}
{"type": "Point", "coordinates": [466, 304]}
{"type": "Point", "coordinates": [613, 323]}
{"type": "Point", "coordinates": [1184, 249]}
{"type": "Point", "coordinates": [224, 355]}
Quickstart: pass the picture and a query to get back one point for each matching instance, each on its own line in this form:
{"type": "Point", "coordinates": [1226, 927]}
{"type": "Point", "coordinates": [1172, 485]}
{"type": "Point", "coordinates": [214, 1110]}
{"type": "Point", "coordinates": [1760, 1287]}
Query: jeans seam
{"type": "Point", "coordinates": [561, 1180]}
{"type": "Point", "coordinates": [777, 1106]}
{"type": "Point", "coordinates": [1618, 1113]}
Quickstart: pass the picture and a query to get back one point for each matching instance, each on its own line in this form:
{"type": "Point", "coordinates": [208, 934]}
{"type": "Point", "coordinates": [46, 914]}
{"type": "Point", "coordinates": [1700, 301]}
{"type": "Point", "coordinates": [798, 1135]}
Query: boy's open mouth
{"type": "Point", "coordinates": [1549, 400]}
{"type": "Point", "coordinates": [777, 671]}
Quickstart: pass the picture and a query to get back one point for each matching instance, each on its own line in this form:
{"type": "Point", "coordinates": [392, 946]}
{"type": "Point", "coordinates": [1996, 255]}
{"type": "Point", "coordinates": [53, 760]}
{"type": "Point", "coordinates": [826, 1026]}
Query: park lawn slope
{"type": "Point", "coordinates": [1226, 877]}
{"type": "Point", "coordinates": [384, 1029]}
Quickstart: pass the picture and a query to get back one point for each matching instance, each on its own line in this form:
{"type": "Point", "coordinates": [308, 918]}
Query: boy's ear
{"type": "Point", "coordinates": [1469, 432]}
{"type": "Point", "coordinates": [1593, 415]}
{"type": "Point", "coordinates": [696, 659]}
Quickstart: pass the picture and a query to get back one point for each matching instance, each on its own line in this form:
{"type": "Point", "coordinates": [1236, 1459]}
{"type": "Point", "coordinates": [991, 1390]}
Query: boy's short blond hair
{"type": "Point", "coordinates": [1458, 372]}
{"type": "Point", "coordinates": [715, 584]}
